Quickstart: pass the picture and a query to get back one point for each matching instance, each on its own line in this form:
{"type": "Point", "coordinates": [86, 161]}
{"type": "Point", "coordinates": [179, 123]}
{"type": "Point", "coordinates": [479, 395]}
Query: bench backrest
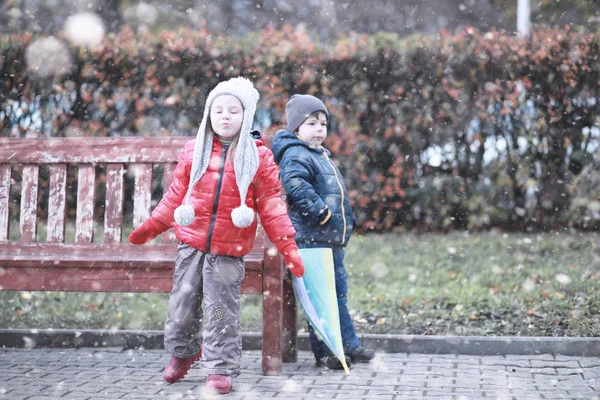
{"type": "Point", "coordinates": [116, 155]}
{"type": "Point", "coordinates": [140, 153]}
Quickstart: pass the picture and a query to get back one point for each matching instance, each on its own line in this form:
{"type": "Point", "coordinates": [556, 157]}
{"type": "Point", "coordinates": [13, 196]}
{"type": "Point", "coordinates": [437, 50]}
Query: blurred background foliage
{"type": "Point", "coordinates": [432, 132]}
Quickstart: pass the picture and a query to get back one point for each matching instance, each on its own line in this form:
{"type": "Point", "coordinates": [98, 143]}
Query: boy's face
{"type": "Point", "coordinates": [226, 116]}
{"type": "Point", "coordinates": [313, 130]}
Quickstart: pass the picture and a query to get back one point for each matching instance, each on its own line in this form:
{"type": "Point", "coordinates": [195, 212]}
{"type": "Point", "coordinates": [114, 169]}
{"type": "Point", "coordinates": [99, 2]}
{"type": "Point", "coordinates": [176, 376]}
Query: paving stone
{"type": "Point", "coordinates": [441, 373]}
{"type": "Point", "coordinates": [592, 372]}
{"type": "Point", "coordinates": [554, 364]}
{"type": "Point", "coordinates": [556, 394]}
{"type": "Point", "coordinates": [587, 362]}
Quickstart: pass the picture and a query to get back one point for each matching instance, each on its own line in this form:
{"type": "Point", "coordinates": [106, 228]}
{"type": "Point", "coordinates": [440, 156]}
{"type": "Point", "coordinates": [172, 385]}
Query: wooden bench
{"type": "Point", "coordinates": [31, 263]}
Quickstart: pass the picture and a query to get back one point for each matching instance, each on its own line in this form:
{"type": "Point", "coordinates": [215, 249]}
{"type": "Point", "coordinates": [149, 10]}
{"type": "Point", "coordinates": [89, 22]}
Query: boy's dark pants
{"type": "Point", "coordinates": [349, 338]}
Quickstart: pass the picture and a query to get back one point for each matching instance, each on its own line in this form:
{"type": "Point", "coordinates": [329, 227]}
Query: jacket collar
{"type": "Point", "coordinates": [285, 139]}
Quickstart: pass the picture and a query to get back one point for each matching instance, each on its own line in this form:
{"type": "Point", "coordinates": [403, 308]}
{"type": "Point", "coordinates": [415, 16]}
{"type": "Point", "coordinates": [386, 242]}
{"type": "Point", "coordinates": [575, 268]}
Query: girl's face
{"type": "Point", "coordinates": [226, 116]}
{"type": "Point", "coordinates": [313, 130]}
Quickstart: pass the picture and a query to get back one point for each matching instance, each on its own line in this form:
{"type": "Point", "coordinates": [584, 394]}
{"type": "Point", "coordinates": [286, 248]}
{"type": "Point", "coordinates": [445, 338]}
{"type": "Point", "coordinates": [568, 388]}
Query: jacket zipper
{"type": "Point", "coordinates": [216, 203]}
{"type": "Point", "coordinates": [342, 192]}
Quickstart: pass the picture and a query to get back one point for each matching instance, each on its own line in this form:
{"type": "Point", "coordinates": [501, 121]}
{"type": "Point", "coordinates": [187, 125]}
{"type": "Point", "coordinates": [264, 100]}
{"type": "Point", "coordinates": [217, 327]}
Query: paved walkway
{"type": "Point", "coordinates": [112, 373]}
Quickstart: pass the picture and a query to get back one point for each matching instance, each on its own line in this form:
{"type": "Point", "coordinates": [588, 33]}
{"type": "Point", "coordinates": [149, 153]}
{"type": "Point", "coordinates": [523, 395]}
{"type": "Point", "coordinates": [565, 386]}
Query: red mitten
{"type": "Point", "coordinates": [291, 256]}
{"type": "Point", "coordinates": [144, 233]}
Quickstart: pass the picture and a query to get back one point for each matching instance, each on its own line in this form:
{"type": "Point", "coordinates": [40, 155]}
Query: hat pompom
{"type": "Point", "coordinates": [184, 215]}
{"type": "Point", "coordinates": [242, 216]}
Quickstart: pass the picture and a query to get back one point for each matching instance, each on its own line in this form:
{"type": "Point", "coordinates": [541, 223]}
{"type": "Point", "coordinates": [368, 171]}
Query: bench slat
{"type": "Point", "coordinates": [142, 193]}
{"type": "Point", "coordinates": [89, 280]}
{"type": "Point", "coordinates": [91, 255]}
{"type": "Point", "coordinates": [101, 267]}
{"type": "Point", "coordinates": [115, 279]}
{"type": "Point", "coordinates": [5, 177]}
{"type": "Point", "coordinates": [113, 211]}
{"type": "Point", "coordinates": [91, 150]}
{"type": "Point", "coordinates": [169, 170]}
{"type": "Point", "coordinates": [29, 193]}
{"type": "Point", "coordinates": [57, 203]}
{"type": "Point", "coordinates": [84, 225]}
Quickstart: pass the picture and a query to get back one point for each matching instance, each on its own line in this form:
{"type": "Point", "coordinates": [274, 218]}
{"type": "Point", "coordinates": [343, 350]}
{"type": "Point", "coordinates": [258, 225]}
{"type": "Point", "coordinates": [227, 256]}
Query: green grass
{"type": "Point", "coordinates": [476, 284]}
{"type": "Point", "coordinates": [456, 284]}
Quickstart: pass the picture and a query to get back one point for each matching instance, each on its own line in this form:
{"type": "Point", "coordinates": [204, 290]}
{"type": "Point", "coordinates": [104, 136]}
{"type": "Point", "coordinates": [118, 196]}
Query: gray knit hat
{"type": "Point", "coordinates": [299, 108]}
{"type": "Point", "coordinates": [245, 163]}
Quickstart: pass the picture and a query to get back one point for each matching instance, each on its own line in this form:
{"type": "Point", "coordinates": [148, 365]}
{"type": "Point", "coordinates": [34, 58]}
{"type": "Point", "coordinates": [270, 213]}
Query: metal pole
{"type": "Point", "coordinates": [524, 18]}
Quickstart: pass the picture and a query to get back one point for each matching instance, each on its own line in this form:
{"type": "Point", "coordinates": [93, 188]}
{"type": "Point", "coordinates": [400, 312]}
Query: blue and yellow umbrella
{"type": "Point", "coordinates": [316, 296]}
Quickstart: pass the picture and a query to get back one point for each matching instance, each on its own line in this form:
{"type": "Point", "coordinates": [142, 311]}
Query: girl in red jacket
{"type": "Point", "coordinates": [222, 179]}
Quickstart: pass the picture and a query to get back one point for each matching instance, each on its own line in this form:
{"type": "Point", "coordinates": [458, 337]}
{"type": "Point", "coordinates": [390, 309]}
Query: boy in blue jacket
{"type": "Point", "coordinates": [319, 208]}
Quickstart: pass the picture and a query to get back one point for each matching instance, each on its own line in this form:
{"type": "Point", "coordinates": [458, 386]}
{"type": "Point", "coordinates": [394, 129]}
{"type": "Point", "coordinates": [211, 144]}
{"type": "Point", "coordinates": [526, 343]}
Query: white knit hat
{"type": "Point", "coordinates": [246, 158]}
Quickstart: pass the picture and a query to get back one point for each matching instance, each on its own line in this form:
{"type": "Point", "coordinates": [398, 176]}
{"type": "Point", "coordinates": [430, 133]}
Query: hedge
{"type": "Point", "coordinates": [475, 130]}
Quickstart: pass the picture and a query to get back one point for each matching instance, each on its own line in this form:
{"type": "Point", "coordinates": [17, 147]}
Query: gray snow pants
{"type": "Point", "coordinates": [215, 281]}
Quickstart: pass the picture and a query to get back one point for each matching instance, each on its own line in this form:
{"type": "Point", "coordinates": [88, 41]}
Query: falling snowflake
{"type": "Point", "coordinates": [529, 285]}
{"type": "Point", "coordinates": [563, 279]}
{"type": "Point", "coordinates": [48, 57]}
{"type": "Point", "coordinates": [379, 270]}
{"type": "Point", "coordinates": [85, 29]}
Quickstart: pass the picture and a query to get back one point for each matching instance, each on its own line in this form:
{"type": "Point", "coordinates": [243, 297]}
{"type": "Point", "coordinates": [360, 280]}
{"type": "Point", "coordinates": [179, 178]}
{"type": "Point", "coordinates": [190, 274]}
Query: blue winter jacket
{"type": "Point", "coordinates": [312, 181]}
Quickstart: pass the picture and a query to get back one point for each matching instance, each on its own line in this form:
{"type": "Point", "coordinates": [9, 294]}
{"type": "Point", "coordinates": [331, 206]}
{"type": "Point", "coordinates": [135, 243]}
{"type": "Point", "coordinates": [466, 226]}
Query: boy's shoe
{"type": "Point", "coordinates": [361, 355]}
{"type": "Point", "coordinates": [179, 367]}
{"type": "Point", "coordinates": [221, 383]}
{"type": "Point", "coordinates": [332, 362]}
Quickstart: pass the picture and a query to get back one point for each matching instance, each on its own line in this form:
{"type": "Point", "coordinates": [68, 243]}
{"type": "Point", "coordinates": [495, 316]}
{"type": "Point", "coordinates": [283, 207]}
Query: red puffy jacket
{"type": "Point", "coordinates": [216, 194]}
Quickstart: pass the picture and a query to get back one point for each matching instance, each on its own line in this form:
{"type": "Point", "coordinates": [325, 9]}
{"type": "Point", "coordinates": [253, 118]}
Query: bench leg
{"type": "Point", "coordinates": [273, 273]}
{"type": "Point", "coordinates": [290, 333]}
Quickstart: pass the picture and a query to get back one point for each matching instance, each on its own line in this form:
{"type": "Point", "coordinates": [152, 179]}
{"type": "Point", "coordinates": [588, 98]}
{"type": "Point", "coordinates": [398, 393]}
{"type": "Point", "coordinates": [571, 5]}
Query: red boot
{"type": "Point", "coordinates": [221, 383]}
{"type": "Point", "coordinates": [179, 367]}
